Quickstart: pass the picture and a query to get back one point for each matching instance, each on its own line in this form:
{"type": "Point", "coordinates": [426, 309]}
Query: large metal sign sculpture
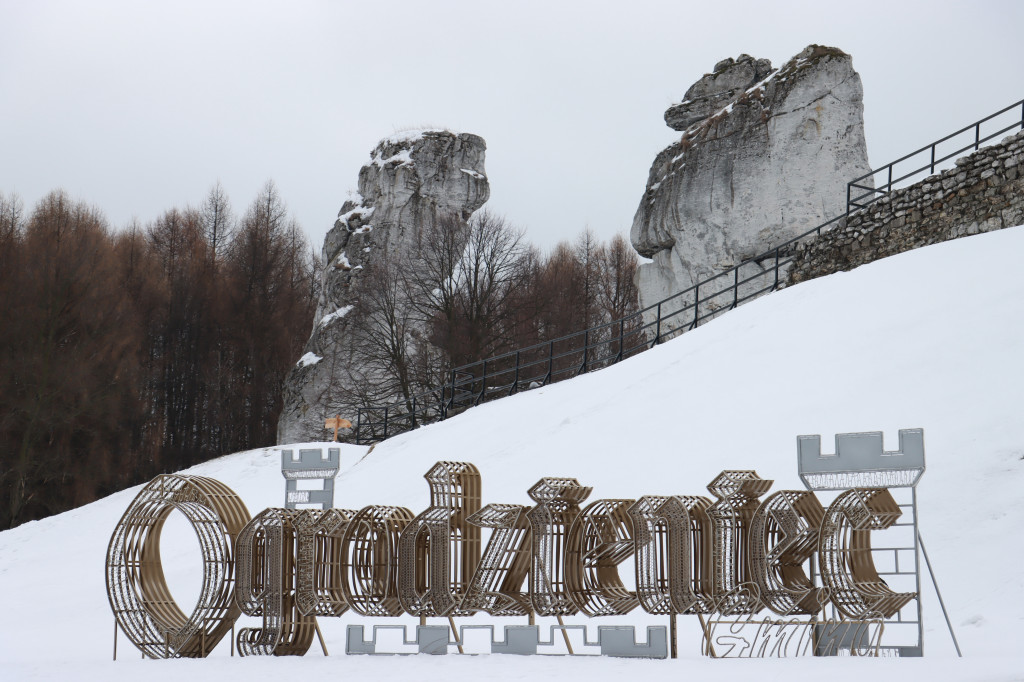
{"type": "Point", "coordinates": [744, 553]}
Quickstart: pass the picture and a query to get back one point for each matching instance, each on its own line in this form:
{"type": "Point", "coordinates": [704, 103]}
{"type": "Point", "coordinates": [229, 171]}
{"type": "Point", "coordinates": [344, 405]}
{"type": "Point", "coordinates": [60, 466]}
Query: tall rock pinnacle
{"type": "Point", "coordinates": [412, 181]}
{"type": "Point", "coordinates": [765, 155]}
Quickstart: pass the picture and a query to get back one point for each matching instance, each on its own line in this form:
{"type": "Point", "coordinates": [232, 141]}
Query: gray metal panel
{"type": "Point", "coordinates": [620, 641]}
{"type": "Point", "coordinates": [355, 644]}
{"type": "Point", "coordinates": [861, 456]}
{"type": "Point", "coordinates": [521, 640]}
{"type": "Point", "coordinates": [432, 639]}
{"type": "Point", "coordinates": [310, 465]}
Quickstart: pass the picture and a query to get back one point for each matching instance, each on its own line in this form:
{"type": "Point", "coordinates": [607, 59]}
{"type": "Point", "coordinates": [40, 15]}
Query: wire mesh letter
{"type": "Point", "coordinates": [737, 493]}
{"type": "Point", "coordinates": [600, 539]}
{"type": "Point", "coordinates": [369, 558]}
{"type": "Point", "coordinates": [318, 570]}
{"type": "Point", "coordinates": [783, 535]}
{"type": "Point", "coordinates": [266, 587]}
{"type": "Point", "coordinates": [136, 587]}
{"type": "Point", "coordinates": [439, 549]}
{"type": "Point", "coordinates": [844, 549]}
{"type": "Point", "coordinates": [558, 504]}
{"type": "Point", "coordinates": [673, 554]}
{"type": "Point", "coordinates": [497, 585]}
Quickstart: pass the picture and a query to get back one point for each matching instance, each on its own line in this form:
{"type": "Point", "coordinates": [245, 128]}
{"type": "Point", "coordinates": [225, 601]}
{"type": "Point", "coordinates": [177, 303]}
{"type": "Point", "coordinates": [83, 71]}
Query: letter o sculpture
{"type": "Point", "coordinates": [136, 586]}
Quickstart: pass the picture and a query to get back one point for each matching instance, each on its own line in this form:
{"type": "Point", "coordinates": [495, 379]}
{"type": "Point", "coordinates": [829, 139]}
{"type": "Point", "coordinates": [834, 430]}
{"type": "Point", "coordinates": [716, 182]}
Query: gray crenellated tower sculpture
{"type": "Point", "coordinates": [412, 180]}
{"type": "Point", "coordinates": [765, 155]}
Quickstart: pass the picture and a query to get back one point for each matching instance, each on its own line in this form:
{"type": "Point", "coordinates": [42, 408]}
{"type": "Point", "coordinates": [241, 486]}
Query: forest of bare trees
{"type": "Point", "coordinates": [473, 291]}
{"type": "Point", "coordinates": [124, 354]}
{"type": "Point", "coordinates": [127, 353]}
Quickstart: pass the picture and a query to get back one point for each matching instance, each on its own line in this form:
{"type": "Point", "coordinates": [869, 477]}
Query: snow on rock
{"type": "Point", "coordinates": [308, 359]}
{"type": "Point", "coordinates": [870, 349]}
{"type": "Point", "coordinates": [336, 315]}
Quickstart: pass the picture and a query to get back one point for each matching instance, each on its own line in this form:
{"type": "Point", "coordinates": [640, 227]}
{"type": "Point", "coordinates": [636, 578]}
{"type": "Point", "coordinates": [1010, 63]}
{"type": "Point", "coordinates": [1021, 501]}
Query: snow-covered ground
{"type": "Point", "coordinates": [929, 339]}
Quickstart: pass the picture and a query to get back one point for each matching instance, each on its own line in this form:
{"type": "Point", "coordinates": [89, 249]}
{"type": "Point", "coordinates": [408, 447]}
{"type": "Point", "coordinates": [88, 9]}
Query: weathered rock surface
{"type": "Point", "coordinates": [410, 182]}
{"type": "Point", "coordinates": [764, 156]}
{"type": "Point", "coordinates": [730, 79]}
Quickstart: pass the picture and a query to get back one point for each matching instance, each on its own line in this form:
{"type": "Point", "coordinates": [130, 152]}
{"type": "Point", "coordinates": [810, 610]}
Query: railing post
{"type": "Point", "coordinates": [385, 422]}
{"type": "Point", "coordinates": [933, 161]}
{"type": "Point", "coordinates": [412, 423]}
{"type": "Point", "coordinates": [776, 285]}
{"type": "Point", "coordinates": [515, 383]}
{"type": "Point", "coordinates": [451, 398]}
{"type": "Point", "coordinates": [483, 384]}
{"type": "Point", "coordinates": [696, 304]}
{"type": "Point", "coordinates": [586, 351]}
{"type": "Point", "coordinates": [622, 327]}
{"type": "Point", "coordinates": [359, 424]}
{"type": "Point", "coordinates": [888, 185]}
{"type": "Point", "coordinates": [551, 360]}
{"type": "Point", "coordinates": [657, 327]}
{"type": "Point", "coordinates": [1022, 115]}
{"type": "Point", "coordinates": [736, 287]}
{"type": "Point", "coordinates": [848, 197]}
{"type": "Point", "coordinates": [977, 136]}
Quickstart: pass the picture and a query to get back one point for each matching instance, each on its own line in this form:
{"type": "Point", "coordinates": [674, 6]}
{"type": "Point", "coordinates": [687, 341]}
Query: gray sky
{"type": "Point", "coordinates": [138, 107]}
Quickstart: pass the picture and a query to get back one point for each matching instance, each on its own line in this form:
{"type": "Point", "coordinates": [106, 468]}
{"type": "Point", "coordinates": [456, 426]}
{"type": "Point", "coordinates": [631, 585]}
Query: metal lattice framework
{"type": "Point", "coordinates": [136, 587]}
{"type": "Point", "coordinates": [369, 557]}
{"type": "Point", "coordinates": [737, 493]}
{"type": "Point", "coordinates": [600, 539]}
{"type": "Point", "coordinates": [558, 504]}
{"type": "Point", "coordinates": [844, 549]}
{"type": "Point", "coordinates": [267, 586]}
{"type": "Point", "coordinates": [784, 535]}
{"type": "Point", "coordinates": [319, 568]}
{"type": "Point", "coordinates": [439, 550]}
{"type": "Point", "coordinates": [497, 585]}
{"type": "Point", "coordinates": [673, 553]}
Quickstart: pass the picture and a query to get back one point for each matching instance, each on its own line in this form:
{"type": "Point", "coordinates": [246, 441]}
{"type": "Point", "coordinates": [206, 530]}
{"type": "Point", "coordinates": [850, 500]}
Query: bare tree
{"type": "Point", "coordinates": [218, 220]}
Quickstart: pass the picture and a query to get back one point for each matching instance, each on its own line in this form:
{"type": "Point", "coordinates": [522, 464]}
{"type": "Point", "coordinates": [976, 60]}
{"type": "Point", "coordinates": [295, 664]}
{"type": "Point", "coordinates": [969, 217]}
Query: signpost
{"type": "Point", "coordinates": [336, 423]}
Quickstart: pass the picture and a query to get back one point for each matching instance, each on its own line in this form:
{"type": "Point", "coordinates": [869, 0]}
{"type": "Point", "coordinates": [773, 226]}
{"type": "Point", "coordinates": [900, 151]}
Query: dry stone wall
{"type": "Point", "coordinates": [984, 192]}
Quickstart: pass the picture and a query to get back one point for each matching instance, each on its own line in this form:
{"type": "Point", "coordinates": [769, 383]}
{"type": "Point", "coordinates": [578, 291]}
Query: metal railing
{"type": "Point", "coordinates": [896, 175]}
{"type": "Point", "coordinates": [609, 343]}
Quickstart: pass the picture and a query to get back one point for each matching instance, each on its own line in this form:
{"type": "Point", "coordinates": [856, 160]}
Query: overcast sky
{"type": "Point", "coordinates": [138, 107]}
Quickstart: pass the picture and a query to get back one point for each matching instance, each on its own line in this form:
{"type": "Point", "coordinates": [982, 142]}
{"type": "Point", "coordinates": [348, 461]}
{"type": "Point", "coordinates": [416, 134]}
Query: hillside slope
{"type": "Point", "coordinates": [930, 338]}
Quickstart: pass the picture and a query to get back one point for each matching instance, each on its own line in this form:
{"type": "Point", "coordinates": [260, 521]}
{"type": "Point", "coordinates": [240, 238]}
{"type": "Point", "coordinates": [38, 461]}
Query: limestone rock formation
{"type": "Point", "coordinates": [411, 181]}
{"type": "Point", "coordinates": [765, 155]}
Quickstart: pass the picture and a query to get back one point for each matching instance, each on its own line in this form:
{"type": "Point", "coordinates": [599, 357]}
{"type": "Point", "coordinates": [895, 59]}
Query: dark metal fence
{"type": "Point", "coordinates": [876, 184]}
{"type": "Point", "coordinates": [606, 344]}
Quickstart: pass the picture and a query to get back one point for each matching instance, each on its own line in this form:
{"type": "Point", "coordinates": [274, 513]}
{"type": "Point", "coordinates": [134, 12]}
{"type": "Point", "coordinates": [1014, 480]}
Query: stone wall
{"type": "Point", "coordinates": [984, 192]}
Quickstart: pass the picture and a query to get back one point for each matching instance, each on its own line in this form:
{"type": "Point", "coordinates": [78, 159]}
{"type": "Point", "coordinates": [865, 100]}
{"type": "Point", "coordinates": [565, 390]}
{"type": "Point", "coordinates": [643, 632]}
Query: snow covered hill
{"type": "Point", "coordinates": [931, 339]}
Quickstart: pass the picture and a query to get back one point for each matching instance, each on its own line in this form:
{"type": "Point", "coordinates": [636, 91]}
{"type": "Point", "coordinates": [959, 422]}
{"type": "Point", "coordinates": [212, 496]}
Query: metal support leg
{"type": "Point", "coordinates": [320, 636]}
{"type": "Point", "coordinates": [455, 634]}
{"type": "Point", "coordinates": [565, 636]}
{"type": "Point", "coordinates": [935, 584]}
